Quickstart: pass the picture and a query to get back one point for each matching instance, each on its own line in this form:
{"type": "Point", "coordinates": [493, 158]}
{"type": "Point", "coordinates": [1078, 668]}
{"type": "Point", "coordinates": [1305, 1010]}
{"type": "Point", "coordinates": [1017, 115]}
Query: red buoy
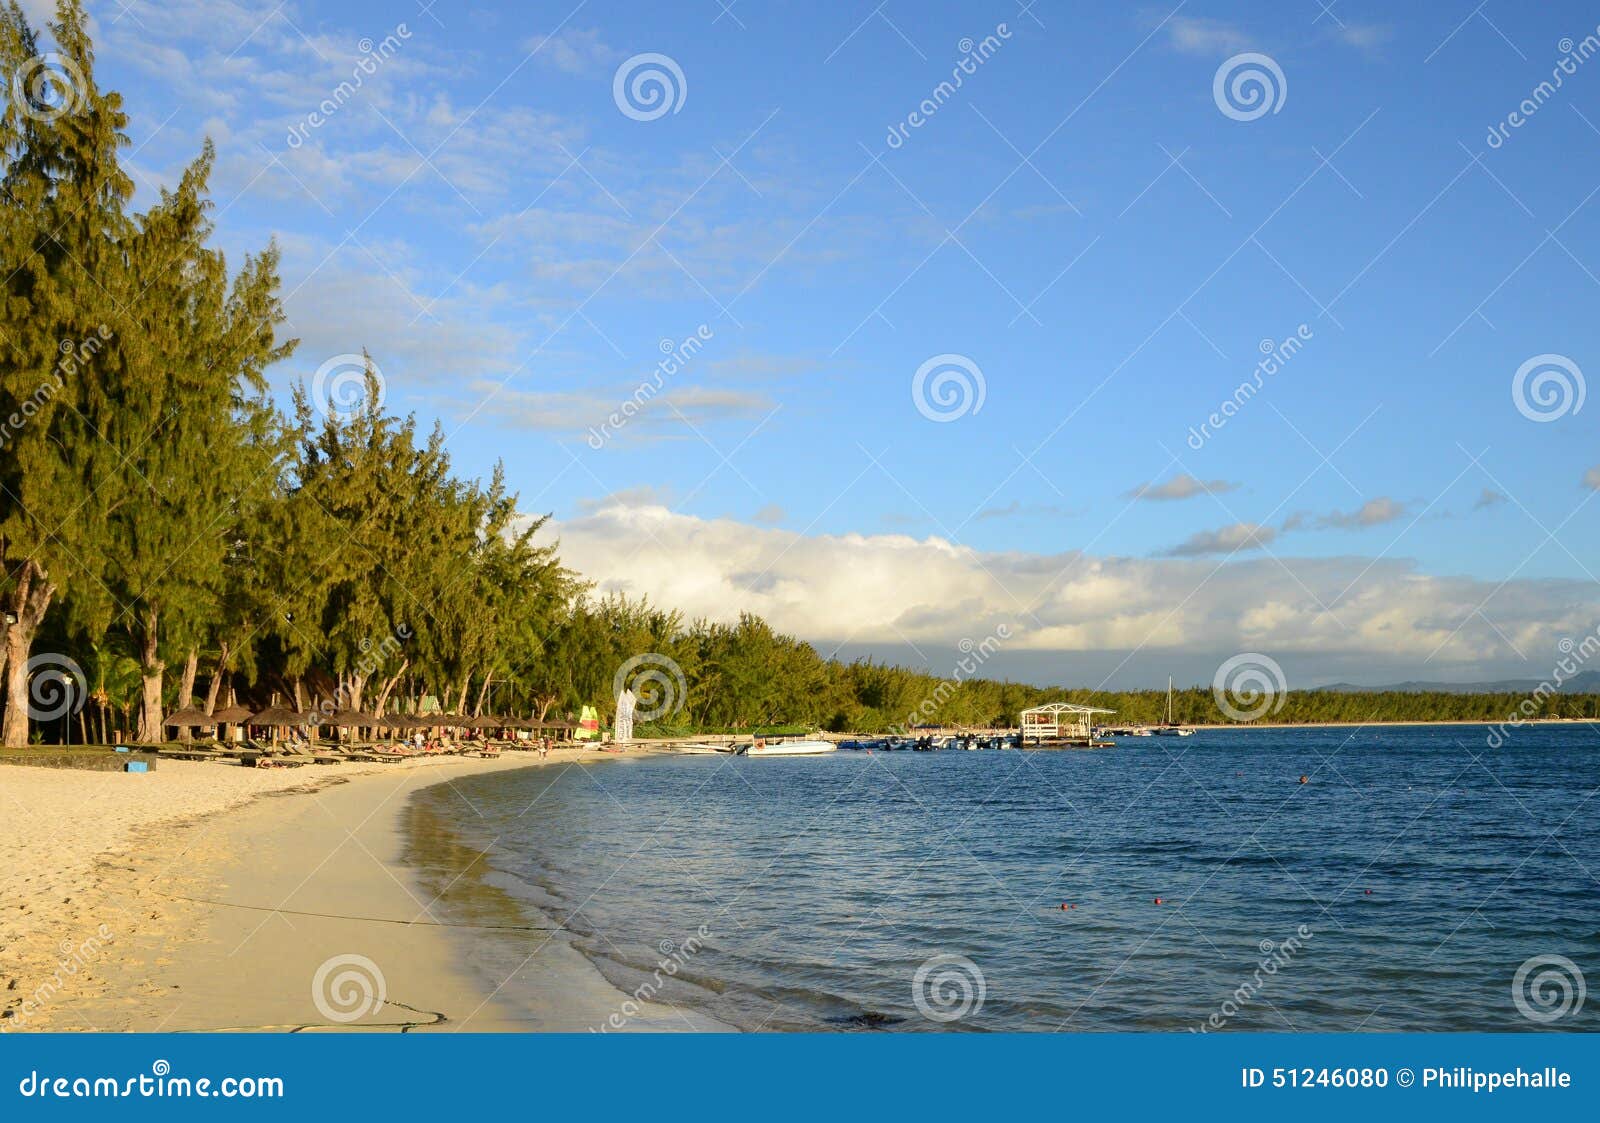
{"type": "Point", "coordinates": [1158, 900]}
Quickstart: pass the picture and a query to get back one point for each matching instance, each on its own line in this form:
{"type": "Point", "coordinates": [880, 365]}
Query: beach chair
{"type": "Point", "coordinates": [257, 755]}
{"type": "Point", "coordinates": [315, 752]}
{"type": "Point", "coordinates": [177, 750]}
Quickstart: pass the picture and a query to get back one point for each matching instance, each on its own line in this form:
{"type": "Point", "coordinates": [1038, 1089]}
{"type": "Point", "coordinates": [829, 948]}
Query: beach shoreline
{"type": "Point", "coordinates": [193, 899]}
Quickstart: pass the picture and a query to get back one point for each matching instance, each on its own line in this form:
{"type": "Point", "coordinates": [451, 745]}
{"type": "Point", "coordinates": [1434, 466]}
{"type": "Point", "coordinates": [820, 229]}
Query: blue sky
{"type": "Point", "coordinates": [1081, 222]}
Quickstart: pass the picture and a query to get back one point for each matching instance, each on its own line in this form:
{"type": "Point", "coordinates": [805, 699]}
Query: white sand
{"type": "Point", "coordinates": [102, 876]}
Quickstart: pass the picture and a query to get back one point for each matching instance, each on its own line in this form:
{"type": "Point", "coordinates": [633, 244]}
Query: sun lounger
{"type": "Point", "coordinates": [196, 751]}
{"type": "Point", "coordinates": [316, 753]}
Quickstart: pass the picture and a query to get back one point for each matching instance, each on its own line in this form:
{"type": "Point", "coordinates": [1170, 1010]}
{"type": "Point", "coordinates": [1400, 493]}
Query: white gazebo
{"type": "Point", "coordinates": [1059, 721]}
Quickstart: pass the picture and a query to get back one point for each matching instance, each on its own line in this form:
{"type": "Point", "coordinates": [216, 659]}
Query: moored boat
{"type": "Point", "coordinates": [807, 747]}
{"type": "Point", "coordinates": [1169, 728]}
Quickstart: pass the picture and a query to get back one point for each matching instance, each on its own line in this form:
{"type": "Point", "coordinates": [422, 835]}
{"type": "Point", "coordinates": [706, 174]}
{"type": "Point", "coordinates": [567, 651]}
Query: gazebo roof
{"type": "Point", "coordinates": [1065, 708]}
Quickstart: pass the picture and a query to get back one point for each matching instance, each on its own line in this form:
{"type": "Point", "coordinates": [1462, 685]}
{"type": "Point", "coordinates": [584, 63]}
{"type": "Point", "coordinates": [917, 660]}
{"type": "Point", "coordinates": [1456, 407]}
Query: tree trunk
{"type": "Point", "coordinates": [383, 695]}
{"type": "Point", "coordinates": [153, 668]}
{"type": "Point", "coordinates": [27, 601]}
{"type": "Point", "coordinates": [191, 666]}
{"type": "Point", "coordinates": [299, 704]}
{"type": "Point", "coordinates": [461, 696]}
{"type": "Point", "coordinates": [483, 690]}
{"type": "Point", "coordinates": [215, 685]}
{"type": "Point", "coordinates": [357, 685]}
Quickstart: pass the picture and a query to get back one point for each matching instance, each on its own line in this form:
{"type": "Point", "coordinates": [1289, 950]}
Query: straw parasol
{"type": "Point", "coordinates": [277, 715]}
{"type": "Point", "coordinates": [231, 714]}
{"type": "Point", "coordinates": [189, 718]}
{"type": "Point", "coordinates": [351, 717]}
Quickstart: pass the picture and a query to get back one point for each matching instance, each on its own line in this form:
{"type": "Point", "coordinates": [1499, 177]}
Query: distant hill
{"type": "Point", "coordinates": [1584, 682]}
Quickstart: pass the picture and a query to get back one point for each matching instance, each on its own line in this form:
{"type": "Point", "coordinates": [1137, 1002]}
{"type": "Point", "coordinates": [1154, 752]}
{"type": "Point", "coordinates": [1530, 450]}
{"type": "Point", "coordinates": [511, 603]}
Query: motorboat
{"type": "Point", "coordinates": [807, 747]}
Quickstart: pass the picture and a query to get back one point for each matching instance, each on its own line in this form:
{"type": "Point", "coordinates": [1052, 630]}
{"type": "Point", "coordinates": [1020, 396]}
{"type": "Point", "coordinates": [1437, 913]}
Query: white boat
{"type": "Point", "coordinates": [791, 748]}
{"type": "Point", "coordinates": [1167, 728]}
{"type": "Point", "coordinates": [698, 749]}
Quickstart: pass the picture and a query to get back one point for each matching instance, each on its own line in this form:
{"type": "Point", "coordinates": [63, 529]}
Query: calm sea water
{"type": "Point", "coordinates": [1402, 888]}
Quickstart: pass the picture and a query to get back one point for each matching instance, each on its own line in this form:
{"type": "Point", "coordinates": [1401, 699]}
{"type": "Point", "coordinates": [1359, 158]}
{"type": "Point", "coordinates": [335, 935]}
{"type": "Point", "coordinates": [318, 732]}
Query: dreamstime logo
{"type": "Point", "coordinates": [946, 988]}
{"type": "Point", "coordinates": [49, 87]}
{"type": "Point", "coordinates": [973, 55]}
{"type": "Point", "coordinates": [674, 956]}
{"type": "Point", "coordinates": [1249, 686]}
{"type": "Point", "coordinates": [1547, 388]}
{"type": "Point", "coordinates": [75, 958]}
{"type": "Point", "coordinates": [675, 357]}
{"type": "Point", "coordinates": [348, 987]}
{"type": "Point", "coordinates": [339, 388]}
{"type": "Point", "coordinates": [973, 656]}
{"type": "Point", "coordinates": [373, 56]}
{"type": "Point", "coordinates": [1574, 654]}
{"type": "Point", "coordinates": [656, 681]}
{"type": "Point", "coordinates": [1547, 988]}
{"type": "Point", "coordinates": [56, 687]}
{"type": "Point", "coordinates": [649, 86]}
{"type": "Point", "coordinates": [1249, 86]}
{"type": "Point", "coordinates": [1275, 956]}
{"type": "Point", "coordinates": [75, 356]}
{"type": "Point", "coordinates": [948, 387]}
{"type": "Point", "coordinates": [1574, 55]}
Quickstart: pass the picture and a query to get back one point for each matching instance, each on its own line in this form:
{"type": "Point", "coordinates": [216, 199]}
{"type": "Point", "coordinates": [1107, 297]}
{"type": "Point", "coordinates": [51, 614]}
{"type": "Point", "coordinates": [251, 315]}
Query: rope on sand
{"type": "Point", "coordinates": [365, 919]}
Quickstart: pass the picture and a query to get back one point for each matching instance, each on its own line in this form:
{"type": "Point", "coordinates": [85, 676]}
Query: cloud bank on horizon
{"type": "Point", "coordinates": [927, 595]}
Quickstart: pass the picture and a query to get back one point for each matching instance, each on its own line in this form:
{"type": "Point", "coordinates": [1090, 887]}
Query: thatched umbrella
{"type": "Point", "coordinates": [189, 718]}
{"type": "Point", "coordinates": [347, 718]}
{"type": "Point", "coordinates": [275, 717]}
{"type": "Point", "coordinates": [231, 715]}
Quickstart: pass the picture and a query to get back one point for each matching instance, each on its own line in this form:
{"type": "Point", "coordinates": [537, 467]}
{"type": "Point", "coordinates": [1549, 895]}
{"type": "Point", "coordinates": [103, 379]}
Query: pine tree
{"type": "Point", "coordinates": [61, 233]}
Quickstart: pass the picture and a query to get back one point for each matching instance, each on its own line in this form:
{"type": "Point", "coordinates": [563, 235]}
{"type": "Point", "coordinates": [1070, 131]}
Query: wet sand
{"type": "Point", "coordinates": [297, 910]}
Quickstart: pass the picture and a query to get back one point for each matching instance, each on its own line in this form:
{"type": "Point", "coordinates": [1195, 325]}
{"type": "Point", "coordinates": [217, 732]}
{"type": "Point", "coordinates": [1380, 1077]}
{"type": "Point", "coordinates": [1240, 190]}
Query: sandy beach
{"type": "Point", "coordinates": [206, 897]}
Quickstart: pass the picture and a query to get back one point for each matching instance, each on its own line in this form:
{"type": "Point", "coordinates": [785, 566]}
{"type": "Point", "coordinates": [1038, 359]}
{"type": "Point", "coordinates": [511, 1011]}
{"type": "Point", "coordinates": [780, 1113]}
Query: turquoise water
{"type": "Point", "coordinates": [1401, 888]}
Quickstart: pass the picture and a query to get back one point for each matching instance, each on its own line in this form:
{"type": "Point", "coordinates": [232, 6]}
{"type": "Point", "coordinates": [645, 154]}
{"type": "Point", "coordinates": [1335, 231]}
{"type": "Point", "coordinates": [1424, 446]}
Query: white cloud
{"type": "Point", "coordinates": [1364, 36]}
{"type": "Point", "coordinates": [573, 51]}
{"type": "Point", "coordinates": [660, 415]}
{"type": "Point", "coordinates": [1195, 36]}
{"type": "Point", "coordinates": [893, 589]}
{"type": "Point", "coordinates": [1226, 540]}
{"type": "Point", "coordinates": [1374, 512]}
{"type": "Point", "coordinates": [1181, 486]}
{"type": "Point", "coordinates": [380, 301]}
{"type": "Point", "coordinates": [1591, 478]}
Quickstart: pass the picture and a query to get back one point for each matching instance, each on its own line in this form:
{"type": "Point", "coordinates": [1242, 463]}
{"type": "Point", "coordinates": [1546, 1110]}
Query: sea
{"type": "Point", "coordinates": [1436, 878]}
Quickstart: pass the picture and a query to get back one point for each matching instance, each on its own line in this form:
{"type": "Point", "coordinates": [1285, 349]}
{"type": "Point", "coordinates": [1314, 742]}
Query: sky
{"type": "Point", "coordinates": [911, 362]}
